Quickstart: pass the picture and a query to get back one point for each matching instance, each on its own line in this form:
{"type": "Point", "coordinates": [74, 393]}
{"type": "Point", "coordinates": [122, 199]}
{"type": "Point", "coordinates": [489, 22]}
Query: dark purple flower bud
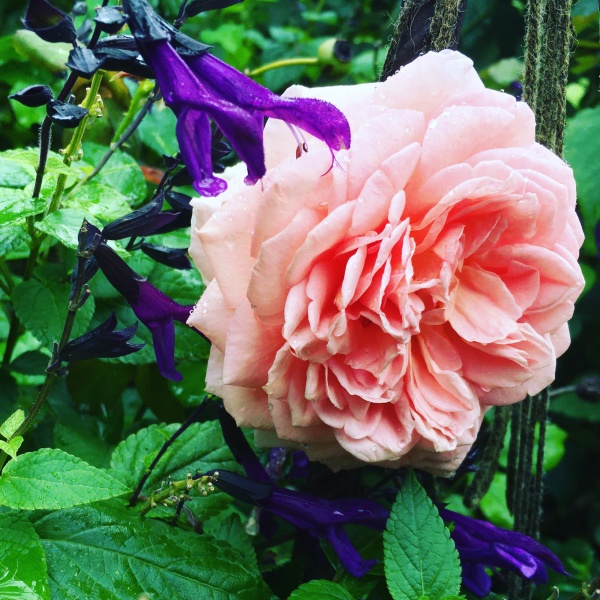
{"type": "Point", "coordinates": [65, 114]}
{"type": "Point", "coordinates": [154, 309]}
{"type": "Point", "coordinates": [117, 59]}
{"type": "Point", "coordinates": [175, 258]}
{"type": "Point", "coordinates": [49, 23]}
{"type": "Point", "coordinates": [481, 544]}
{"type": "Point", "coordinates": [318, 516]}
{"type": "Point", "coordinates": [33, 95]}
{"type": "Point", "coordinates": [180, 220]}
{"type": "Point", "coordinates": [83, 62]}
{"type": "Point", "coordinates": [178, 201]}
{"type": "Point", "coordinates": [143, 221]}
{"type": "Point", "coordinates": [101, 342]}
{"type": "Point", "coordinates": [110, 19]}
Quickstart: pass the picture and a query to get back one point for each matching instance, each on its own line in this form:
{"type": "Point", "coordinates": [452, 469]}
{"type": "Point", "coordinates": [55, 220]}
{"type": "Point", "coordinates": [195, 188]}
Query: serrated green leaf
{"type": "Point", "coordinates": [11, 237]}
{"type": "Point", "coordinates": [12, 423]}
{"type": "Point", "coordinates": [23, 559]}
{"type": "Point", "coordinates": [156, 132]}
{"type": "Point", "coordinates": [15, 204]}
{"type": "Point", "coordinates": [83, 443]}
{"type": "Point", "coordinates": [29, 157]}
{"type": "Point", "coordinates": [14, 175]}
{"type": "Point", "coordinates": [14, 589]}
{"type": "Point", "coordinates": [64, 225]}
{"type": "Point", "coordinates": [42, 308]}
{"type": "Point", "coordinates": [582, 146]}
{"type": "Point", "coordinates": [199, 448]}
{"type": "Point", "coordinates": [49, 479]}
{"type": "Point", "coordinates": [320, 589]}
{"type": "Point", "coordinates": [12, 447]}
{"type": "Point", "coordinates": [109, 553]}
{"type": "Point", "coordinates": [121, 173]}
{"type": "Point", "coordinates": [231, 530]}
{"type": "Point", "coordinates": [420, 557]}
{"type": "Point", "coordinates": [99, 200]}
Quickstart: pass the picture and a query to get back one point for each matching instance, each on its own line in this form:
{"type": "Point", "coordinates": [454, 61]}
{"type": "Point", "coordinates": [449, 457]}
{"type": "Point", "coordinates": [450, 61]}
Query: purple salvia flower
{"type": "Point", "coordinates": [481, 544]}
{"type": "Point", "coordinates": [154, 309]}
{"type": "Point", "coordinates": [199, 87]}
{"type": "Point", "coordinates": [318, 516]}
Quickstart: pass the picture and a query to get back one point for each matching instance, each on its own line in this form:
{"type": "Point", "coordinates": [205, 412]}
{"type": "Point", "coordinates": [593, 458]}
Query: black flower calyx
{"type": "Point", "coordinates": [49, 23]}
{"type": "Point", "coordinates": [83, 62]}
{"type": "Point", "coordinates": [33, 95]}
{"type": "Point", "coordinates": [171, 257]}
{"type": "Point", "coordinates": [65, 114]}
{"type": "Point", "coordinates": [101, 342]}
{"type": "Point", "coordinates": [110, 19]}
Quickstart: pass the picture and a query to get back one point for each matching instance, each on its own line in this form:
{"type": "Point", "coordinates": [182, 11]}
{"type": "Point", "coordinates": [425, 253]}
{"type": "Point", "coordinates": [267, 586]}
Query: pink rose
{"type": "Point", "coordinates": [374, 310]}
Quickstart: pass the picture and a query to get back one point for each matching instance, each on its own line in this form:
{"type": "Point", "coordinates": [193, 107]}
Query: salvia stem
{"type": "Point", "coordinates": [286, 62]}
{"type": "Point", "coordinates": [78, 296]}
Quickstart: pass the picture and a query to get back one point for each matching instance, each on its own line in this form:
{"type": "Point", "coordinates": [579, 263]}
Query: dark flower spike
{"type": "Point", "coordinates": [116, 59]}
{"type": "Point", "coordinates": [33, 95]}
{"type": "Point", "coordinates": [49, 23]}
{"type": "Point", "coordinates": [84, 62]}
{"type": "Point", "coordinates": [101, 342]}
{"type": "Point", "coordinates": [172, 257]}
{"type": "Point", "coordinates": [142, 221]}
{"type": "Point", "coordinates": [110, 19]}
{"type": "Point", "coordinates": [154, 309]}
{"type": "Point", "coordinates": [65, 114]}
{"type": "Point", "coordinates": [481, 544]}
{"type": "Point", "coordinates": [181, 220]}
{"type": "Point", "coordinates": [319, 517]}
{"type": "Point", "coordinates": [178, 201]}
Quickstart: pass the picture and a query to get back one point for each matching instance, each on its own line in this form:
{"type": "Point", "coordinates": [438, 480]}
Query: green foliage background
{"type": "Point", "coordinates": [113, 415]}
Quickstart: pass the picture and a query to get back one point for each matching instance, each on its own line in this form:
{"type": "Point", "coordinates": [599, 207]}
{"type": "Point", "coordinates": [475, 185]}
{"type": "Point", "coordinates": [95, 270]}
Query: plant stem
{"type": "Point", "coordinates": [278, 64]}
{"type": "Point", "coordinates": [78, 298]}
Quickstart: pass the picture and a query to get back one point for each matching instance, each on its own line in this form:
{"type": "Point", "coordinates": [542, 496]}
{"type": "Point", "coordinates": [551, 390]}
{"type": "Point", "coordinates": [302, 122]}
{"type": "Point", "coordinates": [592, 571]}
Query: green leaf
{"type": "Point", "coordinates": [156, 131]}
{"type": "Point", "coordinates": [12, 447]}
{"type": "Point", "coordinates": [11, 237]}
{"type": "Point", "coordinates": [52, 56]}
{"type": "Point", "coordinates": [42, 309]}
{"type": "Point", "coordinates": [493, 504]}
{"type": "Point", "coordinates": [420, 557]}
{"type": "Point", "coordinates": [29, 157]}
{"type": "Point", "coordinates": [99, 200]}
{"type": "Point", "coordinates": [572, 406]}
{"type": "Point", "coordinates": [121, 173]}
{"type": "Point", "coordinates": [13, 588]}
{"type": "Point", "coordinates": [83, 443]}
{"type": "Point", "coordinates": [12, 423]}
{"type": "Point", "coordinates": [64, 225]}
{"type": "Point", "coordinates": [50, 479]}
{"type": "Point", "coordinates": [199, 448]}
{"type": "Point", "coordinates": [16, 204]}
{"type": "Point", "coordinates": [231, 530]}
{"type": "Point", "coordinates": [109, 553]}
{"type": "Point", "coordinates": [320, 589]}
{"type": "Point", "coordinates": [14, 175]}
{"type": "Point", "coordinates": [23, 558]}
{"type": "Point", "coordinates": [582, 146]}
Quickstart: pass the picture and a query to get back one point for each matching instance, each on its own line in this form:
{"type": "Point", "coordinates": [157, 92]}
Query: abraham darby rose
{"type": "Point", "coordinates": [374, 310]}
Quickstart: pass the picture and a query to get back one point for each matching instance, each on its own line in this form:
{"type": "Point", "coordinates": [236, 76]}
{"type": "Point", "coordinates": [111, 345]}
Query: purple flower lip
{"type": "Point", "coordinates": [154, 309]}
{"type": "Point", "coordinates": [481, 544]}
{"type": "Point", "coordinates": [318, 516]}
{"type": "Point", "coordinates": [199, 87]}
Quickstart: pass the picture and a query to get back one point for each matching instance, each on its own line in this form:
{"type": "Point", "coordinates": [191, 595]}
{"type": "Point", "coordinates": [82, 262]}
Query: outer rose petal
{"type": "Point", "coordinates": [373, 311]}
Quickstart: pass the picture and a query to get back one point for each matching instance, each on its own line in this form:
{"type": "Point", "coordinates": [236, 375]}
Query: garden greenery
{"type": "Point", "coordinates": [127, 367]}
